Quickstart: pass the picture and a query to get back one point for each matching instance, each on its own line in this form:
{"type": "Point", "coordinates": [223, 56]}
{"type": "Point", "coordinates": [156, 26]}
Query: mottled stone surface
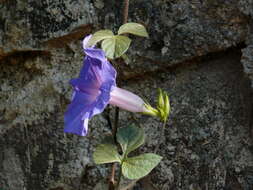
{"type": "Point", "coordinates": [208, 138]}
{"type": "Point", "coordinates": [30, 23]}
{"type": "Point", "coordinates": [208, 144]}
{"type": "Point", "coordinates": [178, 29]}
{"type": "Point", "coordinates": [247, 61]}
{"type": "Point", "coordinates": [183, 29]}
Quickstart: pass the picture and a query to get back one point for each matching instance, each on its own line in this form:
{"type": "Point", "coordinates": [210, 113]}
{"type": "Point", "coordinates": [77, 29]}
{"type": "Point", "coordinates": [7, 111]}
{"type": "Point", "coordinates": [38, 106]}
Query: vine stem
{"type": "Point", "coordinates": [125, 13]}
{"type": "Point", "coordinates": [112, 176]}
{"type": "Point", "coordinates": [116, 117]}
{"type": "Point", "coordinates": [161, 137]}
{"type": "Point", "coordinates": [116, 121]}
{"type": "Point", "coordinates": [114, 132]}
{"type": "Point", "coordinates": [119, 177]}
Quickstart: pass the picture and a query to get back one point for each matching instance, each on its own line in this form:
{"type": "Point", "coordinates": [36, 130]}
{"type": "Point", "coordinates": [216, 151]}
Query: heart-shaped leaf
{"type": "Point", "coordinates": [133, 28]}
{"type": "Point", "coordinates": [140, 166]}
{"type": "Point", "coordinates": [100, 35]}
{"type": "Point", "coordinates": [106, 152]}
{"type": "Point", "coordinates": [115, 46]}
{"type": "Point", "coordinates": [130, 138]}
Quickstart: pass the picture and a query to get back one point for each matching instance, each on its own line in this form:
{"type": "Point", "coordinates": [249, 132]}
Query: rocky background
{"type": "Point", "coordinates": [201, 52]}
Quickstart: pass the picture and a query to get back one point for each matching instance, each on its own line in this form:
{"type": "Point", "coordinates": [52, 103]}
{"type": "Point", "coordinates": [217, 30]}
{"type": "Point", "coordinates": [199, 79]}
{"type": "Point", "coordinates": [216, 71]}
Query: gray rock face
{"type": "Point", "coordinates": [207, 140]}
{"type": "Point", "coordinates": [246, 6]}
{"type": "Point", "coordinates": [184, 29]}
{"type": "Point", "coordinates": [248, 62]}
{"type": "Point", "coordinates": [179, 29]}
{"type": "Point", "coordinates": [207, 143]}
{"type": "Point", "coordinates": [30, 23]}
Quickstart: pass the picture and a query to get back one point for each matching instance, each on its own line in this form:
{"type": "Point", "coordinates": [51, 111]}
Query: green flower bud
{"type": "Point", "coordinates": [160, 102]}
{"type": "Point", "coordinates": [166, 106]}
{"type": "Point", "coordinates": [163, 105]}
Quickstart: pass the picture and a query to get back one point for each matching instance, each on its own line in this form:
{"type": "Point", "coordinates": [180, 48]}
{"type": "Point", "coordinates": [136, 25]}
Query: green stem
{"type": "Point", "coordinates": [161, 137]}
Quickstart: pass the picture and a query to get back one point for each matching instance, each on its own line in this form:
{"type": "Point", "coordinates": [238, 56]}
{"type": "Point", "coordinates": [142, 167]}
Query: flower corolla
{"type": "Point", "coordinates": [94, 89]}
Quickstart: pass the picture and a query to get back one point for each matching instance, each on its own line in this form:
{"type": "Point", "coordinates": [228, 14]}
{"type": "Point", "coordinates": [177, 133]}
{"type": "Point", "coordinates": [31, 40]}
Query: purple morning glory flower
{"type": "Point", "coordinates": [94, 89]}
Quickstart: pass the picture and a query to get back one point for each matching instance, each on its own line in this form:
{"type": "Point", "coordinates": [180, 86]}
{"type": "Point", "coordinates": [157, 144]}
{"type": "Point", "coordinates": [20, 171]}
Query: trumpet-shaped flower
{"type": "Point", "coordinates": [94, 89]}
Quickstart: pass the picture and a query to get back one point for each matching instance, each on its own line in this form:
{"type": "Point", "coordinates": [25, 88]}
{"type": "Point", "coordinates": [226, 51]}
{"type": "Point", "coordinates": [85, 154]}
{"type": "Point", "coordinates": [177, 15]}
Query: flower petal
{"type": "Point", "coordinates": [81, 126]}
{"type": "Point", "coordinates": [77, 114]}
{"type": "Point", "coordinates": [94, 73]}
{"type": "Point", "coordinates": [86, 40]}
{"type": "Point", "coordinates": [109, 73]}
{"type": "Point", "coordinates": [127, 100]}
{"type": "Point", "coordinates": [92, 51]}
{"type": "Point", "coordinates": [91, 90]}
{"type": "Point", "coordinates": [103, 98]}
{"type": "Point", "coordinates": [95, 53]}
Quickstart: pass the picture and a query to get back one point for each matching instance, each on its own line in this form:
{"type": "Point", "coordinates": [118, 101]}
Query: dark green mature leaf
{"type": "Point", "coordinates": [100, 35]}
{"type": "Point", "coordinates": [115, 46]}
{"type": "Point", "coordinates": [130, 138]}
{"type": "Point", "coordinates": [139, 166]}
{"type": "Point", "coordinates": [106, 152]}
{"type": "Point", "coordinates": [133, 28]}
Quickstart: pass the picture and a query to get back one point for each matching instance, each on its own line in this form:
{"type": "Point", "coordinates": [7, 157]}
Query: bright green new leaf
{"type": "Point", "coordinates": [133, 28]}
{"type": "Point", "coordinates": [106, 152]}
{"type": "Point", "coordinates": [130, 138]}
{"type": "Point", "coordinates": [100, 35]}
{"type": "Point", "coordinates": [140, 166]}
{"type": "Point", "coordinates": [115, 46]}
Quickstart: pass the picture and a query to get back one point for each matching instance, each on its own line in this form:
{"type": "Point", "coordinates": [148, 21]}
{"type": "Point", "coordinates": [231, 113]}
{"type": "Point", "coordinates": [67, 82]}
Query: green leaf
{"type": "Point", "coordinates": [130, 138]}
{"type": "Point", "coordinates": [106, 152]}
{"type": "Point", "coordinates": [100, 35]}
{"type": "Point", "coordinates": [115, 46]}
{"type": "Point", "coordinates": [102, 185]}
{"type": "Point", "coordinates": [133, 28]}
{"type": "Point", "coordinates": [126, 59]}
{"type": "Point", "coordinates": [140, 166]}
